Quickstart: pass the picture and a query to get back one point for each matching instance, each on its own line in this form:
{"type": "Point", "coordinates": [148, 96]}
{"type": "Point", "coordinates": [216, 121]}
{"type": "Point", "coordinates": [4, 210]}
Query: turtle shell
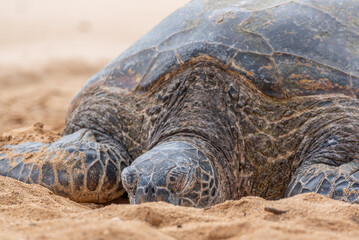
{"type": "Point", "coordinates": [285, 47]}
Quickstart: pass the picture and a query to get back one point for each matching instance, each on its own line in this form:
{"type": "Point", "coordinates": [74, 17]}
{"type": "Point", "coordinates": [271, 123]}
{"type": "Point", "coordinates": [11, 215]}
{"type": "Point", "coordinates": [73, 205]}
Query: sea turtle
{"type": "Point", "coordinates": [223, 99]}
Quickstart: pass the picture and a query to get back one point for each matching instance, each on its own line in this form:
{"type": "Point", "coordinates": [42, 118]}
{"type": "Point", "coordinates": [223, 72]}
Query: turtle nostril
{"type": "Point", "coordinates": [149, 190]}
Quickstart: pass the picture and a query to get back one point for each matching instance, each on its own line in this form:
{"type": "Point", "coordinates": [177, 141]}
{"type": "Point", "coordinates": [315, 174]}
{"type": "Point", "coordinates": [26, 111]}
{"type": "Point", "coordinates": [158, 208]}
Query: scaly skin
{"type": "Point", "coordinates": [76, 166]}
{"type": "Point", "coordinates": [251, 143]}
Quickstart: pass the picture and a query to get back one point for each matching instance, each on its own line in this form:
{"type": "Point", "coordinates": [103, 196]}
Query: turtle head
{"type": "Point", "coordinates": [174, 172]}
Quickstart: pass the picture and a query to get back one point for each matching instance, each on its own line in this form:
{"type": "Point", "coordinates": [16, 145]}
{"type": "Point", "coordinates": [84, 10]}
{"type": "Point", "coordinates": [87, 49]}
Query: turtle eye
{"type": "Point", "coordinates": [129, 178]}
{"type": "Point", "coordinates": [179, 179]}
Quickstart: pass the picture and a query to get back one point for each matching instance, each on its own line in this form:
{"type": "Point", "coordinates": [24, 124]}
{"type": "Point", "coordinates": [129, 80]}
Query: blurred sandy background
{"type": "Point", "coordinates": [39, 30]}
{"type": "Point", "coordinates": [49, 48]}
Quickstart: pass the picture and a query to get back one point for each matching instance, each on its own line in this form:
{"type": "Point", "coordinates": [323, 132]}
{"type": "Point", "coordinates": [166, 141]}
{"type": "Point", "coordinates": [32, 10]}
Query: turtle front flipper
{"type": "Point", "coordinates": [340, 183]}
{"type": "Point", "coordinates": [76, 166]}
{"type": "Point", "coordinates": [329, 161]}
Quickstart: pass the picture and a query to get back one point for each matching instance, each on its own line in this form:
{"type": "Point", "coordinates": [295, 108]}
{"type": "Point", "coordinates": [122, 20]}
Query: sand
{"type": "Point", "coordinates": [42, 66]}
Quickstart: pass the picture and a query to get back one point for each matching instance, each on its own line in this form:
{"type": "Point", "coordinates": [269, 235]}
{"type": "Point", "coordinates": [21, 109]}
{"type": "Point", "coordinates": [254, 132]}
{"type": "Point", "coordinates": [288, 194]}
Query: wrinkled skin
{"type": "Point", "coordinates": [238, 98]}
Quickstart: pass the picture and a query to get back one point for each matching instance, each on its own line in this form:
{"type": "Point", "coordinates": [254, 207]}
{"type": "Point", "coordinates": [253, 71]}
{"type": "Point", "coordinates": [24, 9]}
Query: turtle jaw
{"type": "Point", "coordinates": [173, 172]}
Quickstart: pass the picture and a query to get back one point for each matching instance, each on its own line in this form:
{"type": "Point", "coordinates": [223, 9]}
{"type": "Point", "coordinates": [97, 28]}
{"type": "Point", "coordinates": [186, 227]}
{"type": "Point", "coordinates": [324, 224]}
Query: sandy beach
{"type": "Point", "coordinates": [48, 51]}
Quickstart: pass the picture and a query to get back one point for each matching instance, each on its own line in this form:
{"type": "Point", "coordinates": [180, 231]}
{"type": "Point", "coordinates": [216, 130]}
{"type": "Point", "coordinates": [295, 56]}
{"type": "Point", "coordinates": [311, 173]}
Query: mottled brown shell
{"type": "Point", "coordinates": [285, 48]}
